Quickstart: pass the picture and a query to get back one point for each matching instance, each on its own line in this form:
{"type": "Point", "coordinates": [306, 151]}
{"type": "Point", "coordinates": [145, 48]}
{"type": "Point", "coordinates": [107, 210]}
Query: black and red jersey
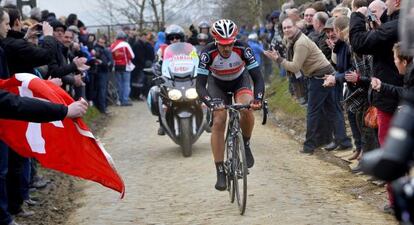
{"type": "Point", "coordinates": [226, 69]}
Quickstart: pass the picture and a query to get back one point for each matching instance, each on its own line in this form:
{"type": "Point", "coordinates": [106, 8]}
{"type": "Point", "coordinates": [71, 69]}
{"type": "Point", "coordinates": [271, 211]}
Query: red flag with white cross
{"type": "Point", "coordinates": [67, 146]}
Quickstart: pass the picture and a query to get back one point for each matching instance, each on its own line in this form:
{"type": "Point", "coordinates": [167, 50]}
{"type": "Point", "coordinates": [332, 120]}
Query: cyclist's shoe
{"type": "Point", "coordinates": [221, 183]}
{"type": "Point", "coordinates": [161, 131]}
{"type": "Point", "coordinates": [249, 155]}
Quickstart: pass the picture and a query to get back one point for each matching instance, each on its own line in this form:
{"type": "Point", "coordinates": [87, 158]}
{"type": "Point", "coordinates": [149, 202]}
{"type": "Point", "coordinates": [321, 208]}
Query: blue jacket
{"type": "Point", "coordinates": [160, 41]}
{"type": "Point", "coordinates": [257, 50]}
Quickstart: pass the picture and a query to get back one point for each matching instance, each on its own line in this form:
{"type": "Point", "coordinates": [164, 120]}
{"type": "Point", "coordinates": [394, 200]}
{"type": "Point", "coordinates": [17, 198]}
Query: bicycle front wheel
{"type": "Point", "coordinates": [230, 170]}
{"type": "Point", "coordinates": [240, 173]}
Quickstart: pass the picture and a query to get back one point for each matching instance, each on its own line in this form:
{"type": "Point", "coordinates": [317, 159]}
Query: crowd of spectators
{"type": "Point", "coordinates": [62, 51]}
{"type": "Point", "coordinates": [343, 58]}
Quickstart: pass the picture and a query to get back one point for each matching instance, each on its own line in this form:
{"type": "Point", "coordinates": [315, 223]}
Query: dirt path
{"type": "Point", "coordinates": [162, 187]}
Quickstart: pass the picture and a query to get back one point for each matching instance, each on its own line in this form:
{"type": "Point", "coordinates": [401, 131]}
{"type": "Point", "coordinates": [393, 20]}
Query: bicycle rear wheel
{"type": "Point", "coordinates": [240, 172]}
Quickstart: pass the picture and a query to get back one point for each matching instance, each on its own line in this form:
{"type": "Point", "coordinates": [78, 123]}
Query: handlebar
{"type": "Point", "coordinates": [265, 110]}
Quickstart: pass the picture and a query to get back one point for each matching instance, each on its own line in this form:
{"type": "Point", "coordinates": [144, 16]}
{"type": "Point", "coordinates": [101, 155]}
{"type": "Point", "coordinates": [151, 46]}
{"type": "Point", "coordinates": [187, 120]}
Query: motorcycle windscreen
{"type": "Point", "coordinates": [180, 60]}
{"type": "Point", "coordinates": [406, 27]}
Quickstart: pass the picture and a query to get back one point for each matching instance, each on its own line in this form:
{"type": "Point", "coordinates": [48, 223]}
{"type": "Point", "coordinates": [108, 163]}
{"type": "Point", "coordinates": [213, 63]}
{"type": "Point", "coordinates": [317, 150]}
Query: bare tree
{"type": "Point", "coordinates": [131, 11]}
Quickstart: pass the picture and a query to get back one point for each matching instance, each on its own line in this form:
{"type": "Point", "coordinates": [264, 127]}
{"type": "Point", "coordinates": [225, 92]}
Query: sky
{"type": "Point", "coordinates": [87, 10]}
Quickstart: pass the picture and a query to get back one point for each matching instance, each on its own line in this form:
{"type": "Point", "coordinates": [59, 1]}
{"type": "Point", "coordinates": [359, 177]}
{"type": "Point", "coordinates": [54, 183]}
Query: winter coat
{"type": "Point", "coordinates": [23, 56]}
{"type": "Point", "coordinates": [378, 43]}
{"type": "Point", "coordinates": [122, 54]}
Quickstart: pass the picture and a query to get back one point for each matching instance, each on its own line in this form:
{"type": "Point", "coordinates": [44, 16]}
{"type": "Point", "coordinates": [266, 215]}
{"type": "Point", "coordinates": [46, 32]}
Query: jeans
{"type": "Point", "coordinates": [26, 178]}
{"type": "Point", "coordinates": [320, 98]}
{"type": "Point", "coordinates": [14, 182]}
{"type": "Point", "coordinates": [101, 90]}
{"type": "Point", "coordinates": [123, 79]}
{"type": "Point", "coordinates": [5, 217]}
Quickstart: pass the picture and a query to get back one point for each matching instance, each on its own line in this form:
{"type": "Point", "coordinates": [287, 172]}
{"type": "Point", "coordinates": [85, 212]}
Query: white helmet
{"type": "Point", "coordinates": [224, 31]}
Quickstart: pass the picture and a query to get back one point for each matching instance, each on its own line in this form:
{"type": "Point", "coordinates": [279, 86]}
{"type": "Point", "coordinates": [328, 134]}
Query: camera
{"type": "Point", "coordinates": [278, 46]}
{"type": "Point", "coordinates": [395, 159]}
{"type": "Point", "coordinates": [403, 192]}
{"type": "Point", "coordinates": [372, 20]}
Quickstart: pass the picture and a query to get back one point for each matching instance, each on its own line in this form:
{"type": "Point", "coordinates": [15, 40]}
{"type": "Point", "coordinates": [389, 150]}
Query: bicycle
{"type": "Point", "coordinates": [235, 165]}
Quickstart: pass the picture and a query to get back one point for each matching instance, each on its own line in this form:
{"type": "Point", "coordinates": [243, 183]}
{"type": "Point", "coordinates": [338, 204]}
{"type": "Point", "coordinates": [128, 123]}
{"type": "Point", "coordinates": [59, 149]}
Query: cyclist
{"type": "Point", "coordinates": [224, 66]}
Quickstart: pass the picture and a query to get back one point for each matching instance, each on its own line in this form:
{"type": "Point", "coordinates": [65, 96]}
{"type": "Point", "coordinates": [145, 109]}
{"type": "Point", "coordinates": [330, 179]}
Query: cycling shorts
{"type": "Point", "coordinates": [224, 90]}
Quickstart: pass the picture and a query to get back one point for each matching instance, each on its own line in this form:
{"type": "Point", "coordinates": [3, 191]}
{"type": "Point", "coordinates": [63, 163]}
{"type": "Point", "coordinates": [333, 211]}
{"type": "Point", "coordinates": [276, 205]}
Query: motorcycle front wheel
{"type": "Point", "coordinates": [186, 136]}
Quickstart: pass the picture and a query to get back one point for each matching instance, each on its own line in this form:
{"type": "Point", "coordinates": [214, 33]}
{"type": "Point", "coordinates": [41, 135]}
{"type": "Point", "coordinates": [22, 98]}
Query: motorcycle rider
{"type": "Point", "coordinates": [202, 42]}
{"type": "Point", "coordinates": [224, 65]}
{"type": "Point", "coordinates": [173, 34]}
{"type": "Point", "coordinates": [204, 28]}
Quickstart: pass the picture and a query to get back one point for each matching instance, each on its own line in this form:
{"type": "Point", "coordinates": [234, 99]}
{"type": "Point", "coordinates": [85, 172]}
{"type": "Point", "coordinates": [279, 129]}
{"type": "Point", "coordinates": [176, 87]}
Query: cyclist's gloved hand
{"type": "Point", "coordinates": [256, 104]}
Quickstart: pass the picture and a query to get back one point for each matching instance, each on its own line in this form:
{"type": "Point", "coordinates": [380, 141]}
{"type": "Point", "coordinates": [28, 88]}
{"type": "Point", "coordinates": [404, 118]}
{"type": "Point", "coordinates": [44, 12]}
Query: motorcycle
{"type": "Point", "coordinates": [174, 98]}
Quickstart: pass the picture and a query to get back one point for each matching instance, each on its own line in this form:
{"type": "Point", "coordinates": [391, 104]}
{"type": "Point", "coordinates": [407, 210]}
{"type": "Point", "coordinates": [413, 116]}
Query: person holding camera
{"type": "Point", "coordinates": [304, 55]}
{"type": "Point", "coordinates": [23, 56]}
{"type": "Point", "coordinates": [379, 42]}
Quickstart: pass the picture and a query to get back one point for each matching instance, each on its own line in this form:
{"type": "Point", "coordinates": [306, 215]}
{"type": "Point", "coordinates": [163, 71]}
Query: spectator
{"type": "Point", "coordinates": [293, 14]}
{"type": "Point", "coordinates": [123, 55]}
{"type": "Point", "coordinates": [303, 54]}
{"type": "Point", "coordinates": [256, 46]}
{"type": "Point", "coordinates": [318, 35]}
{"type": "Point", "coordinates": [72, 20]}
{"type": "Point", "coordinates": [308, 17]}
{"type": "Point", "coordinates": [379, 43]}
{"type": "Point", "coordinates": [160, 41]}
{"type": "Point", "coordinates": [405, 68]}
{"type": "Point", "coordinates": [35, 15]}
{"type": "Point", "coordinates": [105, 64]}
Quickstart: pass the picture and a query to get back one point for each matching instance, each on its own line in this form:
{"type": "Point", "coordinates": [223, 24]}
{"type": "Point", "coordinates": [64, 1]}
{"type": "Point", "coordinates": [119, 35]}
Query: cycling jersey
{"type": "Point", "coordinates": [226, 70]}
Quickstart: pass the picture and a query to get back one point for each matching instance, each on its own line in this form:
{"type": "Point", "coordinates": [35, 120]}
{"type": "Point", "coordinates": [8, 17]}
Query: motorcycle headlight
{"type": "Point", "coordinates": [191, 93]}
{"type": "Point", "coordinates": [174, 94]}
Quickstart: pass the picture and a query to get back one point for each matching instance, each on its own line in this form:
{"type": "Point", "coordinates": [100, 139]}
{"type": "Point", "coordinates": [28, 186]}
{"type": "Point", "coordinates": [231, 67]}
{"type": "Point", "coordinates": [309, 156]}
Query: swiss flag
{"type": "Point", "coordinates": [67, 146]}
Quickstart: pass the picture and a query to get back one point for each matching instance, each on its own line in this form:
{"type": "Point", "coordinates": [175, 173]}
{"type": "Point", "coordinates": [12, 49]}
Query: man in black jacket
{"type": "Point", "coordinates": [23, 56]}
{"type": "Point", "coordinates": [379, 43]}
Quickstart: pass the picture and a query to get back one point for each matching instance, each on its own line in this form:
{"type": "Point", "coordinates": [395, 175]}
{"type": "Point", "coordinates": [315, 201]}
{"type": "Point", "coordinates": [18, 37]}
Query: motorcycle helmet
{"type": "Point", "coordinates": [224, 31]}
{"type": "Point", "coordinates": [174, 30]}
{"type": "Point", "coordinates": [202, 37]}
{"type": "Point", "coordinates": [204, 25]}
{"type": "Point", "coordinates": [406, 28]}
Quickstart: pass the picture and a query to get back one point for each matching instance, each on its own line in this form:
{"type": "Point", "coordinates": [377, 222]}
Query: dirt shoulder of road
{"type": "Point", "coordinates": [372, 192]}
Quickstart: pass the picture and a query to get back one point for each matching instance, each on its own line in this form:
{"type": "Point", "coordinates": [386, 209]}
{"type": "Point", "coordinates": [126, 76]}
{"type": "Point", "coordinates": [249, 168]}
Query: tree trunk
{"type": "Point", "coordinates": [162, 13]}
{"type": "Point", "coordinates": [141, 15]}
{"type": "Point", "coordinates": [155, 11]}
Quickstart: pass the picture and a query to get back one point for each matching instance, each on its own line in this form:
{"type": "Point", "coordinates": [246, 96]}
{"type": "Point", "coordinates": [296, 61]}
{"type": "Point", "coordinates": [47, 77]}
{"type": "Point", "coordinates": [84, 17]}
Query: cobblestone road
{"type": "Point", "coordinates": [162, 187]}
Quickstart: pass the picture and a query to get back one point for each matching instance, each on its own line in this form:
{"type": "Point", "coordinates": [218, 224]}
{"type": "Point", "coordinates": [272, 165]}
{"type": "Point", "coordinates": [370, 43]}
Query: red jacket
{"type": "Point", "coordinates": [121, 53]}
